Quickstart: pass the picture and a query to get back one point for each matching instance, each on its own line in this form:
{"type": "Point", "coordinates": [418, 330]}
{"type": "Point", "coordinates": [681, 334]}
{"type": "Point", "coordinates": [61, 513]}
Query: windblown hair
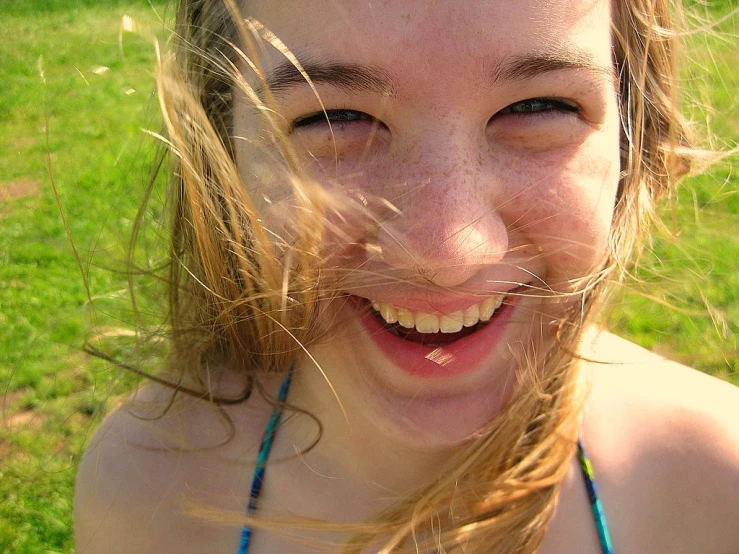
{"type": "Point", "coordinates": [246, 300]}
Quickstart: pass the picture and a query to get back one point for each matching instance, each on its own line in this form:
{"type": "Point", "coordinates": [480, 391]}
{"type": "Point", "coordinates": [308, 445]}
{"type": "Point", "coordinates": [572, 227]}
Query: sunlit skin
{"type": "Point", "coordinates": [482, 137]}
{"type": "Point", "coordinates": [496, 149]}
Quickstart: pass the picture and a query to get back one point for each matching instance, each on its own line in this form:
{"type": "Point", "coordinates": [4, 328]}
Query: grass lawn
{"type": "Point", "coordinates": [77, 91]}
{"type": "Point", "coordinates": [67, 67]}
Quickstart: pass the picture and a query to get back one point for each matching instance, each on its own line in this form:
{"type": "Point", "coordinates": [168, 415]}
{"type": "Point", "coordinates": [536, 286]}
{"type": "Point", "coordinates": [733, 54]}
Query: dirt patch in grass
{"type": "Point", "coordinates": [18, 189]}
{"type": "Point", "coordinates": [15, 416]}
{"type": "Point", "coordinates": [27, 419]}
{"type": "Point", "coordinates": [8, 402]}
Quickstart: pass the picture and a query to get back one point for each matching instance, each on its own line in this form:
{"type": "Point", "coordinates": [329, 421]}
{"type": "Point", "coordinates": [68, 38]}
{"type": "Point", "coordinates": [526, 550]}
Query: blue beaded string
{"type": "Point", "coordinates": [595, 504]}
{"type": "Point", "coordinates": [264, 448]}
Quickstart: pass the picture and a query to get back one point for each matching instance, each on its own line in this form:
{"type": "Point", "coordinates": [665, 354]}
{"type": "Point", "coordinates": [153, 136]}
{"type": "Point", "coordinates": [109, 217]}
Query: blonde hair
{"type": "Point", "coordinates": [241, 299]}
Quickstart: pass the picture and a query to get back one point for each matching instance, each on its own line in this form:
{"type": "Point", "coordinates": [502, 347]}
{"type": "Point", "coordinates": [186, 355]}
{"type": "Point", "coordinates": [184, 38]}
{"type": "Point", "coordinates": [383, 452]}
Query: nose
{"type": "Point", "coordinates": [447, 225]}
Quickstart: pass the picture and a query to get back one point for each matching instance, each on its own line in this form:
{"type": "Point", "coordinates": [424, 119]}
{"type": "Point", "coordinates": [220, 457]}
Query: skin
{"type": "Point", "coordinates": [663, 440]}
{"type": "Point", "coordinates": [498, 198]}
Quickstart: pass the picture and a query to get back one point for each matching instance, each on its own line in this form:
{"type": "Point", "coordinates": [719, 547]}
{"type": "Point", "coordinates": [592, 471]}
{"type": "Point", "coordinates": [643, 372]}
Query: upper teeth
{"type": "Point", "coordinates": [433, 323]}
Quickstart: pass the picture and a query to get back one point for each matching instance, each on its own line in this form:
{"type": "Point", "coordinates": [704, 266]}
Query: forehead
{"type": "Point", "coordinates": [452, 33]}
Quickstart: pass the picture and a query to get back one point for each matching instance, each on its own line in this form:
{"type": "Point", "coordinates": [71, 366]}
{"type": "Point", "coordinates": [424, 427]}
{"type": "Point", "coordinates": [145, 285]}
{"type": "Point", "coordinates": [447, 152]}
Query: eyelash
{"type": "Point", "coordinates": [335, 116]}
{"type": "Point", "coordinates": [342, 116]}
{"type": "Point", "coordinates": [549, 105]}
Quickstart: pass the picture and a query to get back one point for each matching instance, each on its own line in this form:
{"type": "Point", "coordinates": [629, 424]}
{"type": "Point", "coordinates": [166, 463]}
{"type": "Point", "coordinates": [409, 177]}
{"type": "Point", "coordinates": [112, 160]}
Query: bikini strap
{"type": "Point", "coordinates": [586, 468]}
{"type": "Point", "coordinates": [262, 457]}
{"type": "Point", "coordinates": [596, 506]}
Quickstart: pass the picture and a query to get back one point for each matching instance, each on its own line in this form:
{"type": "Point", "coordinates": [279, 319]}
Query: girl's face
{"type": "Point", "coordinates": [482, 140]}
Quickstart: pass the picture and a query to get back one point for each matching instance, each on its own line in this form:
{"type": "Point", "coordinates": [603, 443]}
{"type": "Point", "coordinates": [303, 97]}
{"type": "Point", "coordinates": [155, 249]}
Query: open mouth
{"type": "Point", "coordinates": [438, 345]}
{"type": "Point", "coordinates": [430, 339]}
{"type": "Point", "coordinates": [435, 329]}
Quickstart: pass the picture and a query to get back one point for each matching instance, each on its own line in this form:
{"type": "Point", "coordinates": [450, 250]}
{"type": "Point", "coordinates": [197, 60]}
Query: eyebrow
{"type": "Point", "coordinates": [346, 76]}
{"type": "Point", "coordinates": [355, 77]}
{"type": "Point", "coordinates": [518, 68]}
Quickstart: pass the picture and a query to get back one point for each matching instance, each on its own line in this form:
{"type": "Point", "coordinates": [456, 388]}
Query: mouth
{"type": "Point", "coordinates": [435, 329]}
{"type": "Point", "coordinates": [439, 345]}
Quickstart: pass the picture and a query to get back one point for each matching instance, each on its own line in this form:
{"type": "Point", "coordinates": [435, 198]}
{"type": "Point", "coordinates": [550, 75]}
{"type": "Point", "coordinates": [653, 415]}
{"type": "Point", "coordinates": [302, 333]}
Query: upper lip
{"type": "Point", "coordinates": [433, 302]}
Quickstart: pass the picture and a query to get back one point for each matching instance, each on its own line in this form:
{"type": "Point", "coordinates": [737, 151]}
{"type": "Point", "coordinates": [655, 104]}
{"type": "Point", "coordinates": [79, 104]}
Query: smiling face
{"type": "Point", "coordinates": [483, 139]}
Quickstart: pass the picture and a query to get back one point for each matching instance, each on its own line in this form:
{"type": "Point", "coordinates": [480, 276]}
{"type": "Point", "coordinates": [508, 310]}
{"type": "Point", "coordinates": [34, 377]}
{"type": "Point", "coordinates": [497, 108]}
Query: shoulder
{"type": "Point", "coordinates": [657, 401]}
{"type": "Point", "coordinates": [143, 470]}
{"type": "Point", "coordinates": [114, 481]}
{"type": "Point", "coordinates": [665, 443]}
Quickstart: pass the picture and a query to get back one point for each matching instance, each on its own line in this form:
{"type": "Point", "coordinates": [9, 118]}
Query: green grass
{"type": "Point", "coordinates": [63, 68]}
{"type": "Point", "coordinates": [692, 270]}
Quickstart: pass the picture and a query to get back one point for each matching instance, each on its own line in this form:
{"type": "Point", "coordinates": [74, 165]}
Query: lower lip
{"type": "Point", "coordinates": [455, 359]}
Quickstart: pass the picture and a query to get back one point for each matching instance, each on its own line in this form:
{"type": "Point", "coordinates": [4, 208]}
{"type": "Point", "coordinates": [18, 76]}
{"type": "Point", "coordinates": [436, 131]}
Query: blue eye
{"type": "Point", "coordinates": [541, 106]}
{"type": "Point", "coordinates": [333, 117]}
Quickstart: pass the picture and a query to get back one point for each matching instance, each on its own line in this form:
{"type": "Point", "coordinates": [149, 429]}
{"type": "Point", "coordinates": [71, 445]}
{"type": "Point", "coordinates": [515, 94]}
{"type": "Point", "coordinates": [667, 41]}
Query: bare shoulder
{"type": "Point", "coordinates": [654, 398]}
{"type": "Point", "coordinates": [665, 441]}
{"type": "Point", "coordinates": [144, 469]}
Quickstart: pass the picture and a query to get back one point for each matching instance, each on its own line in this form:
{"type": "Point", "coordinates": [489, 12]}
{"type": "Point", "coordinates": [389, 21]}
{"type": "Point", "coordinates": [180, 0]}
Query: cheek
{"type": "Point", "coordinates": [340, 217]}
{"type": "Point", "coordinates": [566, 213]}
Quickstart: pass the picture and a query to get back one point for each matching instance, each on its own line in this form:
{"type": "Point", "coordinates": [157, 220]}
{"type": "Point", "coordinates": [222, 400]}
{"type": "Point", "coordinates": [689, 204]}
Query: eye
{"type": "Point", "coordinates": [539, 123]}
{"type": "Point", "coordinates": [338, 133]}
{"type": "Point", "coordinates": [334, 117]}
{"type": "Point", "coordinates": [541, 106]}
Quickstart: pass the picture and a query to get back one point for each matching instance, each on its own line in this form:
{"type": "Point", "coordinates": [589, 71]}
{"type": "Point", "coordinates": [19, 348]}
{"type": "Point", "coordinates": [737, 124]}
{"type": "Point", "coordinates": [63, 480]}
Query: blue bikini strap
{"type": "Point", "coordinates": [586, 468]}
{"type": "Point", "coordinates": [596, 506]}
{"type": "Point", "coordinates": [264, 449]}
